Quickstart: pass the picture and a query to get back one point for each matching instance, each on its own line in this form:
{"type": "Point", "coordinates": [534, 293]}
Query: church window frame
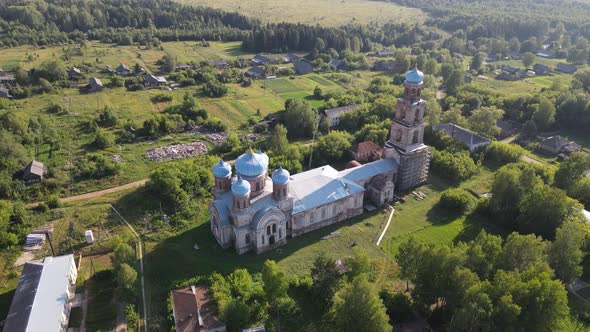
{"type": "Point", "coordinates": [247, 238]}
{"type": "Point", "coordinates": [274, 228]}
{"type": "Point", "coordinates": [268, 230]}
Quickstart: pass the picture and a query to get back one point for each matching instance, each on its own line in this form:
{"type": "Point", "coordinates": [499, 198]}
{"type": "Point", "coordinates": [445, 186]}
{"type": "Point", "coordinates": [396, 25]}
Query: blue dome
{"type": "Point", "coordinates": [251, 165]}
{"type": "Point", "coordinates": [221, 169]}
{"type": "Point", "coordinates": [280, 176]}
{"type": "Point", "coordinates": [414, 76]}
{"type": "Point", "coordinates": [240, 188]}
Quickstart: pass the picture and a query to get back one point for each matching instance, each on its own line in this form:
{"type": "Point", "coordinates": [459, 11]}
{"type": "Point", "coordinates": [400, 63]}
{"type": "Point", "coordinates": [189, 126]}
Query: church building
{"type": "Point", "coordinates": [252, 211]}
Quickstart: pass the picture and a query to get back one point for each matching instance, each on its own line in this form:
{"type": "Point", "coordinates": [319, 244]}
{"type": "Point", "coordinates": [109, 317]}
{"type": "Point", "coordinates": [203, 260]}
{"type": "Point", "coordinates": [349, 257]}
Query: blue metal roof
{"type": "Point", "coordinates": [221, 169]}
{"type": "Point", "coordinates": [320, 190]}
{"type": "Point", "coordinates": [223, 212]}
{"type": "Point", "coordinates": [280, 176]}
{"type": "Point", "coordinates": [414, 76]}
{"type": "Point", "coordinates": [240, 188]}
{"type": "Point", "coordinates": [252, 164]}
{"type": "Point", "coordinates": [369, 170]}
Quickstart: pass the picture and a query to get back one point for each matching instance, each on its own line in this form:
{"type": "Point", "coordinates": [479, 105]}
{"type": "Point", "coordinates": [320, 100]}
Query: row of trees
{"type": "Point", "coordinates": [493, 284]}
{"type": "Point", "coordinates": [347, 301]}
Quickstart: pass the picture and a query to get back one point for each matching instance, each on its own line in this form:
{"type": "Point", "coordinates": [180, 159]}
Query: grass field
{"type": "Point", "coordinates": [234, 109]}
{"type": "Point", "coordinates": [323, 12]}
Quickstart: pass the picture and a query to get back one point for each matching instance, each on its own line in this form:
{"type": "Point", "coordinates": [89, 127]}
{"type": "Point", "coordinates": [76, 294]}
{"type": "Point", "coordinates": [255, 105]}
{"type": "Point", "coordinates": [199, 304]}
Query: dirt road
{"type": "Point", "coordinates": [99, 193]}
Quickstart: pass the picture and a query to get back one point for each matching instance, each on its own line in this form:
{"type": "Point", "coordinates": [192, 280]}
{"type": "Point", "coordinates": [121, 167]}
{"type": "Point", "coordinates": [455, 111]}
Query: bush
{"type": "Point", "coordinates": [54, 109]}
{"type": "Point", "coordinates": [456, 200]}
{"type": "Point", "coordinates": [53, 202]}
{"type": "Point", "coordinates": [103, 140]}
{"type": "Point", "coordinates": [454, 166]}
{"type": "Point", "coordinates": [504, 153]}
{"type": "Point", "coordinates": [161, 98]}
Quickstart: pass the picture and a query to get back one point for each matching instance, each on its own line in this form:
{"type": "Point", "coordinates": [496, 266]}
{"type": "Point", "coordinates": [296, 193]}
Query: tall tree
{"type": "Point", "coordinates": [357, 307]}
{"type": "Point", "coordinates": [565, 252]}
{"type": "Point", "coordinates": [279, 144]}
{"type": "Point", "coordinates": [571, 170]}
{"type": "Point", "coordinates": [544, 115]}
{"type": "Point", "coordinates": [408, 258]}
{"type": "Point", "coordinates": [483, 121]}
{"type": "Point", "coordinates": [528, 59]}
{"type": "Point", "coordinates": [300, 118]}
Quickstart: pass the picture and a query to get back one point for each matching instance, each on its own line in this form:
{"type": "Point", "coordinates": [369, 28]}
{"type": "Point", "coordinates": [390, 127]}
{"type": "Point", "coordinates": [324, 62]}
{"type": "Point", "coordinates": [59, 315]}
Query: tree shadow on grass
{"type": "Point", "coordinates": [474, 224]}
{"type": "Point", "coordinates": [440, 216]}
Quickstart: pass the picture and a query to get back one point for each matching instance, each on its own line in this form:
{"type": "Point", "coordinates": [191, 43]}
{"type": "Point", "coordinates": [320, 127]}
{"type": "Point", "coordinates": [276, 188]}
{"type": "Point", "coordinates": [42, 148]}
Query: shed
{"type": "Point", "coordinates": [366, 151]}
{"type": "Point", "coordinates": [34, 172]}
{"type": "Point", "coordinates": [256, 72]}
{"type": "Point", "coordinates": [193, 310]}
{"type": "Point", "coordinates": [94, 85]}
{"type": "Point", "coordinates": [89, 236]}
{"type": "Point", "coordinates": [5, 93]}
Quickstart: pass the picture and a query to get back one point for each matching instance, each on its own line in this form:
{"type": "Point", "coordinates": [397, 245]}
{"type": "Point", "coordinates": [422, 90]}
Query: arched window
{"type": "Point", "coordinates": [268, 230]}
{"type": "Point", "coordinates": [262, 239]}
{"type": "Point", "coordinates": [416, 134]}
{"type": "Point", "coordinates": [280, 233]}
{"type": "Point", "coordinates": [274, 228]}
{"type": "Point", "coordinates": [247, 238]}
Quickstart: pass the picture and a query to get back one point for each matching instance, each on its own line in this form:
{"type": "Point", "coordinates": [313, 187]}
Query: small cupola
{"type": "Point", "coordinates": [280, 183]}
{"type": "Point", "coordinates": [241, 194]}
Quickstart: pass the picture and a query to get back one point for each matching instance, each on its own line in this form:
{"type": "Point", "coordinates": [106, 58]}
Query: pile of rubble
{"type": "Point", "coordinates": [177, 151]}
{"type": "Point", "coordinates": [217, 138]}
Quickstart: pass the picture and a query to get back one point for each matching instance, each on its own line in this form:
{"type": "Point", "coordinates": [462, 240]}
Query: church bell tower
{"type": "Point", "coordinates": [405, 143]}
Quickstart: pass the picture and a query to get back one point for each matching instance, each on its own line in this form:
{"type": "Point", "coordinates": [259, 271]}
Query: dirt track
{"type": "Point", "coordinates": [99, 193]}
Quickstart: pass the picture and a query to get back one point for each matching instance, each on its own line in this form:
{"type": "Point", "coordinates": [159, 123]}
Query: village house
{"type": "Point", "coordinates": [510, 73]}
{"type": "Point", "coordinates": [366, 151]}
{"type": "Point", "coordinates": [42, 298]}
{"type": "Point", "coordinates": [122, 70]}
{"type": "Point", "coordinates": [7, 78]}
{"type": "Point", "coordinates": [384, 65]}
{"type": "Point", "coordinates": [260, 59]}
{"type": "Point", "coordinates": [470, 139]}
{"type": "Point", "coordinates": [508, 128]}
{"type": "Point", "coordinates": [254, 212]}
{"type": "Point", "coordinates": [541, 69]}
{"type": "Point", "coordinates": [547, 54]}
{"type": "Point", "coordinates": [34, 172]}
{"type": "Point", "coordinates": [94, 85]}
{"type": "Point", "coordinates": [256, 73]}
{"type": "Point", "coordinates": [515, 55]}
{"type": "Point", "coordinates": [334, 114]}
{"type": "Point", "coordinates": [565, 68]}
{"type": "Point", "coordinates": [338, 64]}
{"type": "Point", "coordinates": [302, 67]}
{"type": "Point", "coordinates": [5, 93]}
{"type": "Point", "coordinates": [290, 58]}
{"type": "Point", "coordinates": [194, 310]}
{"type": "Point", "coordinates": [384, 53]}
{"type": "Point", "coordinates": [219, 64]}
{"type": "Point", "coordinates": [74, 73]}
{"type": "Point", "coordinates": [557, 145]}
{"type": "Point", "coordinates": [183, 67]}
{"type": "Point", "coordinates": [151, 81]}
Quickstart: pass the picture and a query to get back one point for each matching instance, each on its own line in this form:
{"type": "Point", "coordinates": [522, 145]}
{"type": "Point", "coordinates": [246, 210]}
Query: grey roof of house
{"type": "Point", "coordinates": [385, 53]}
{"type": "Point", "coordinates": [341, 110]}
{"type": "Point", "coordinates": [259, 58]}
{"type": "Point", "coordinates": [554, 142]}
{"type": "Point", "coordinates": [565, 68]}
{"type": "Point", "coordinates": [152, 78]}
{"type": "Point", "coordinates": [5, 92]}
{"type": "Point", "coordinates": [217, 63]}
{"type": "Point", "coordinates": [121, 67]}
{"type": "Point", "coordinates": [74, 70]}
{"type": "Point", "coordinates": [510, 69]}
{"type": "Point", "coordinates": [336, 63]}
{"type": "Point", "coordinates": [461, 134]}
{"type": "Point", "coordinates": [95, 82]}
{"type": "Point", "coordinates": [291, 57]}
{"type": "Point", "coordinates": [255, 70]}
{"type": "Point", "coordinates": [302, 66]}
{"type": "Point", "coordinates": [540, 66]}
{"type": "Point", "coordinates": [34, 168]}
{"type": "Point", "coordinates": [22, 302]}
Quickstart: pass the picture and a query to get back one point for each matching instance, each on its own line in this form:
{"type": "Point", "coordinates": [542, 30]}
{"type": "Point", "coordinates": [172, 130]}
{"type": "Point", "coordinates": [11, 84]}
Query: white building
{"type": "Point", "coordinates": [41, 302]}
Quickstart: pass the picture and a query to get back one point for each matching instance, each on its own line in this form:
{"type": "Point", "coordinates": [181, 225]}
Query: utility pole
{"type": "Point", "coordinates": [48, 237]}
